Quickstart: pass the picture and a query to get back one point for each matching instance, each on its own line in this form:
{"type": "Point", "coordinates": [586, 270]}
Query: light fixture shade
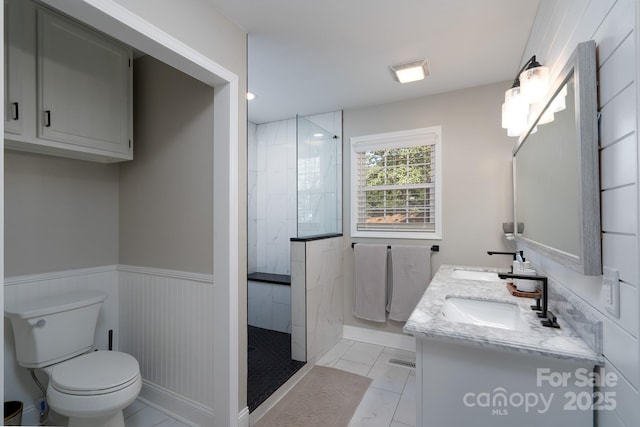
{"type": "Point", "coordinates": [515, 112]}
{"type": "Point", "coordinates": [505, 121]}
{"type": "Point", "coordinates": [534, 83]}
{"type": "Point", "coordinates": [410, 72]}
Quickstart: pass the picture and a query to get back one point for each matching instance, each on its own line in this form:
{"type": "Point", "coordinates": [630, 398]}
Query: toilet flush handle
{"type": "Point", "coordinates": [37, 324]}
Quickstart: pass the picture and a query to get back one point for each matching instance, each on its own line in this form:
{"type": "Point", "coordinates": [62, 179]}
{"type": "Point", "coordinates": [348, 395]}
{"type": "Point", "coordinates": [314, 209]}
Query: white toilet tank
{"type": "Point", "coordinates": [50, 330]}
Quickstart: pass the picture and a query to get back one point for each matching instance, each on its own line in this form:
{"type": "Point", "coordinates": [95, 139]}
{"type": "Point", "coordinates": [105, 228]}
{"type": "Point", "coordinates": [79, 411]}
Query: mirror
{"type": "Point", "coordinates": [555, 170]}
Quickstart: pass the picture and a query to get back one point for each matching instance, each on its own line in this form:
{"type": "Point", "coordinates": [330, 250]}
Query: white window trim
{"type": "Point", "coordinates": [390, 140]}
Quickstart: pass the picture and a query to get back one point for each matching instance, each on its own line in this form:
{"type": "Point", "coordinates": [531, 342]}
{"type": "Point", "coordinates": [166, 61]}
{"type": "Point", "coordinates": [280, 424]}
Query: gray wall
{"type": "Point", "coordinates": [476, 177]}
{"type": "Point", "coordinates": [197, 24]}
{"type": "Point", "coordinates": [200, 26]}
{"type": "Point", "coordinates": [166, 193]}
{"type": "Point", "coordinates": [60, 214]}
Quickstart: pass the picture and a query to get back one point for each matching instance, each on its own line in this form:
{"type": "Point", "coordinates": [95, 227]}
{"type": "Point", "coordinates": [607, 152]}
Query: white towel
{"type": "Point", "coordinates": [411, 273]}
{"type": "Point", "coordinates": [370, 288]}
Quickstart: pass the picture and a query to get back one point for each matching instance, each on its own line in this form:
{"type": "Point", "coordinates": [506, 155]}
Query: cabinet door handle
{"type": "Point", "coordinates": [16, 111]}
{"type": "Point", "coordinates": [47, 116]}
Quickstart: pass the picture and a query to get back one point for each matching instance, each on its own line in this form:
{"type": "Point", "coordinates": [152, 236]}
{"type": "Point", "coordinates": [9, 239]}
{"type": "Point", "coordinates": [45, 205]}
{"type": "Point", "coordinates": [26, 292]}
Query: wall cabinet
{"type": "Point", "coordinates": [75, 89]}
{"type": "Point", "coordinates": [12, 59]}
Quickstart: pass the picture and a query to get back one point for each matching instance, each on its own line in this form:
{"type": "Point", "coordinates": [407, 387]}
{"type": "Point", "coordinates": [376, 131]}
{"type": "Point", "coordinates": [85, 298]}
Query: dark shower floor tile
{"type": "Point", "coordinates": [270, 364]}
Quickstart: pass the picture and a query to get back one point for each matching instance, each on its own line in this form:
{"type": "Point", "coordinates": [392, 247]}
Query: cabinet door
{"type": "Point", "coordinates": [84, 96]}
{"type": "Point", "coordinates": [13, 107]}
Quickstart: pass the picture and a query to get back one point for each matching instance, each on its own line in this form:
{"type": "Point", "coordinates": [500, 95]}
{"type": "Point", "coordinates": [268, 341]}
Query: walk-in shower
{"type": "Point", "coordinates": [294, 183]}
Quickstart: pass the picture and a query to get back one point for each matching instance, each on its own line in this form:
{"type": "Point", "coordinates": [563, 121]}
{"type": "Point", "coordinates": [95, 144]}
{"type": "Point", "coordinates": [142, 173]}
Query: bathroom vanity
{"type": "Point", "coordinates": [483, 358]}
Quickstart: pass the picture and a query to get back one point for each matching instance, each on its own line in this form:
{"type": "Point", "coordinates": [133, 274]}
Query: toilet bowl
{"type": "Point", "coordinates": [94, 388]}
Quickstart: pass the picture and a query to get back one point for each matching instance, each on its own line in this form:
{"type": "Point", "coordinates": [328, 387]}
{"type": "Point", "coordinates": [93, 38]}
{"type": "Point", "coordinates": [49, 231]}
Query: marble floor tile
{"type": "Point", "coordinates": [387, 376]}
{"type": "Point", "coordinates": [353, 367]}
{"type": "Point", "coordinates": [169, 422]}
{"type": "Point", "coordinates": [148, 417]}
{"type": "Point", "coordinates": [133, 408]}
{"type": "Point", "coordinates": [406, 410]}
{"type": "Point", "coordinates": [400, 354]}
{"type": "Point", "coordinates": [363, 353]}
{"type": "Point", "coordinates": [137, 414]}
{"type": "Point", "coordinates": [390, 400]}
{"type": "Point", "coordinates": [376, 409]}
{"type": "Point", "coordinates": [335, 353]}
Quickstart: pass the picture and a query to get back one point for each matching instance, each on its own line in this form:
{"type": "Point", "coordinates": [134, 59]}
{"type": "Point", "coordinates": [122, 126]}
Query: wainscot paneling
{"type": "Point", "coordinates": [167, 320]}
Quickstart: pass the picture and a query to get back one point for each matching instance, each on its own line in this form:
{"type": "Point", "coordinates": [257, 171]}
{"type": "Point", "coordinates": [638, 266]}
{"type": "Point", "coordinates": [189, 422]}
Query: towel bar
{"type": "Point", "coordinates": [434, 248]}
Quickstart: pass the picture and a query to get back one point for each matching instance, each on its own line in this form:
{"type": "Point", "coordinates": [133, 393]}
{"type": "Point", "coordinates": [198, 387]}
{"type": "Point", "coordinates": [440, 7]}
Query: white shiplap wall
{"type": "Point", "coordinates": [559, 26]}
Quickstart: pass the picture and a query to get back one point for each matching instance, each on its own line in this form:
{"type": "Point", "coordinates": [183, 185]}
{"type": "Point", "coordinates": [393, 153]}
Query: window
{"type": "Point", "coordinates": [395, 185]}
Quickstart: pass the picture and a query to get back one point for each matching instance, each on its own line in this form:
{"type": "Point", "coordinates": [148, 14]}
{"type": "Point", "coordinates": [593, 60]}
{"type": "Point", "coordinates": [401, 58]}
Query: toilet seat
{"type": "Point", "coordinates": [96, 373]}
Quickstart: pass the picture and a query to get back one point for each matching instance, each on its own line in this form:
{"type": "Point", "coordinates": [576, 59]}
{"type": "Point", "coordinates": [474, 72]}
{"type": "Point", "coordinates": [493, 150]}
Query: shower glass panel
{"type": "Point", "coordinates": [319, 176]}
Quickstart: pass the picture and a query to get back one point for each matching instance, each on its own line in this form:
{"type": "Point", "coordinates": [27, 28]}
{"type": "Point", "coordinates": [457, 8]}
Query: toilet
{"type": "Point", "coordinates": [56, 335]}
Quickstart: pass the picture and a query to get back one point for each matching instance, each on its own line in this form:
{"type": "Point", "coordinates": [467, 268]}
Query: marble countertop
{"type": "Point", "coordinates": [425, 321]}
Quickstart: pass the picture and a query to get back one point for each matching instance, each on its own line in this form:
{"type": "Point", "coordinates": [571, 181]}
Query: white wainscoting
{"type": "Point", "coordinates": [167, 318]}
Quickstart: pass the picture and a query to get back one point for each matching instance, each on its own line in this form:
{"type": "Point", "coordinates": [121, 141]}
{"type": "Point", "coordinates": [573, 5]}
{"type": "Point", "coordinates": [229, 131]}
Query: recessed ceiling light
{"type": "Point", "coordinates": [318, 135]}
{"type": "Point", "coordinates": [411, 71]}
{"type": "Point", "coordinates": [250, 96]}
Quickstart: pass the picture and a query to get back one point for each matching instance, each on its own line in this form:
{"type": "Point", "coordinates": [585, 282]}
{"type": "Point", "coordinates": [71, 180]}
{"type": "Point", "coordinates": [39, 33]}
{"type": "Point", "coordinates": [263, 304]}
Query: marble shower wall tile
{"type": "Point", "coordinates": [274, 174]}
{"type": "Point", "coordinates": [269, 306]}
{"type": "Point", "coordinates": [272, 186]}
{"type": "Point", "coordinates": [324, 278]}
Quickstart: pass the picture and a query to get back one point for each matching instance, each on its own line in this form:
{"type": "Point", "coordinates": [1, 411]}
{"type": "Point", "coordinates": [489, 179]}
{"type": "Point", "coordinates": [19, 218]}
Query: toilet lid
{"type": "Point", "coordinates": [95, 373]}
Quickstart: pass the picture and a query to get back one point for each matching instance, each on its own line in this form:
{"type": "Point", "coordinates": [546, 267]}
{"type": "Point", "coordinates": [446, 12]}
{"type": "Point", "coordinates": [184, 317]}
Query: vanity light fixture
{"type": "Point", "coordinates": [250, 96]}
{"type": "Point", "coordinates": [528, 88]}
{"type": "Point", "coordinates": [411, 71]}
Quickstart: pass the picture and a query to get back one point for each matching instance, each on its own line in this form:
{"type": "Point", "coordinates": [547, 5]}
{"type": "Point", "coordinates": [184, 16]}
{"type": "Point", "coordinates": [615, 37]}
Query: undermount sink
{"type": "Point", "coordinates": [496, 314]}
{"type": "Point", "coordinates": [486, 276]}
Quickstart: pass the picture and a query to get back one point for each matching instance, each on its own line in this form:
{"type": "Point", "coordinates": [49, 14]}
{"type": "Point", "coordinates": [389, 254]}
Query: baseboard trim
{"type": "Point", "coordinates": [179, 407]}
{"type": "Point", "coordinates": [243, 417]}
{"type": "Point", "coordinates": [371, 336]}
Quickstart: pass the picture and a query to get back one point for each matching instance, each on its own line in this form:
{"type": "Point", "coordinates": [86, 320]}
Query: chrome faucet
{"type": "Point", "coordinates": [549, 319]}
